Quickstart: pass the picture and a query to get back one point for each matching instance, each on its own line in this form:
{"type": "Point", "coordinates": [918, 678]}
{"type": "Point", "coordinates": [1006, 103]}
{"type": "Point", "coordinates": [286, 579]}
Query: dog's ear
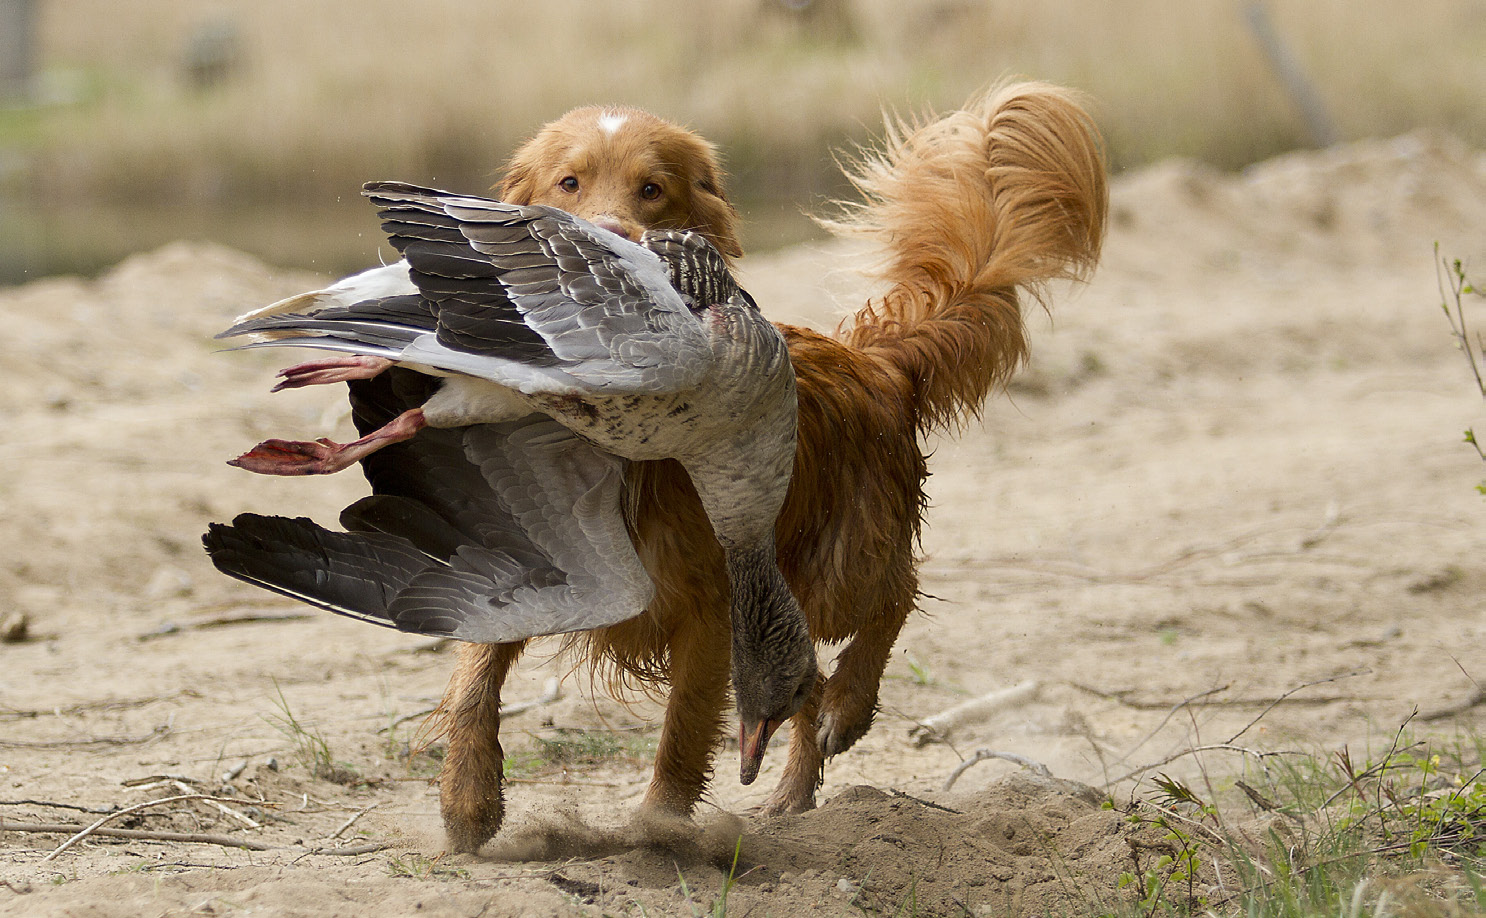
{"type": "Point", "coordinates": [518, 181]}
{"type": "Point", "coordinates": [711, 211]}
{"type": "Point", "coordinates": [520, 174]}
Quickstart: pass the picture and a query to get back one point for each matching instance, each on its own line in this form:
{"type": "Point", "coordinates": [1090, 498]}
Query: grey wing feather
{"type": "Point", "coordinates": [604, 306]}
{"type": "Point", "coordinates": [503, 290]}
{"type": "Point", "coordinates": [532, 542]}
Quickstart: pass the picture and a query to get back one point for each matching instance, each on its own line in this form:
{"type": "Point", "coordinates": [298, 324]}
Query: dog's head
{"type": "Point", "coordinates": [627, 171]}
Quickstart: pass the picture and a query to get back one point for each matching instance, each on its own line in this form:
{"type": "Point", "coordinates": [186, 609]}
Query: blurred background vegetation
{"type": "Point", "coordinates": [254, 122]}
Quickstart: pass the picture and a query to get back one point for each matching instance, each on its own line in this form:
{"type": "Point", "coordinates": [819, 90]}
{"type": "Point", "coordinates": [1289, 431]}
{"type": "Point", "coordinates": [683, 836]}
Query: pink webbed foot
{"type": "Point", "coordinates": [322, 457]}
{"type": "Point", "coordinates": [330, 370]}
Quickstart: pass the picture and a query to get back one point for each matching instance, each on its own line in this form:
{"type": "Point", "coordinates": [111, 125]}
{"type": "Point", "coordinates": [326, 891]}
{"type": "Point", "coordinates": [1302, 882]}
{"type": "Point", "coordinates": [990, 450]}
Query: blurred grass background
{"type": "Point", "coordinates": [255, 123]}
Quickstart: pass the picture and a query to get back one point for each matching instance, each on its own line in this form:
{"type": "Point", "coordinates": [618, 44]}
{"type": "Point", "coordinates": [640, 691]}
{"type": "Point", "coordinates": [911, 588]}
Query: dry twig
{"type": "Point", "coordinates": [199, 838]}
{"type": "Point", "coordinates": [158, 732]}
{"type": "Point", "coordinates": [982, 755]}
{"type": "Point", "coordinates": [95, 810]}
{"type": "Point", "coordinates": [181, 785]}
{"type": "Point", "coordinates": [1474, 699]}
{"type": "Point", "coordinates": [99, 823]}
{"type": "Point", "coordinates": [352, 821]}
{"type": "Point", "coordinates": [934, 729]}
{"type": "Point", "coordinates": [223, 621]}
{"type": "Point", "coordinates": [107, 705]}
{"type": "Point", "coordinates": [141, 834]}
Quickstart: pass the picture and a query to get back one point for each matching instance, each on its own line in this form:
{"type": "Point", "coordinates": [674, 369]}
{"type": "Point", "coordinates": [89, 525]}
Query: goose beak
{"type": "Point", "coordinates": [752, 741]}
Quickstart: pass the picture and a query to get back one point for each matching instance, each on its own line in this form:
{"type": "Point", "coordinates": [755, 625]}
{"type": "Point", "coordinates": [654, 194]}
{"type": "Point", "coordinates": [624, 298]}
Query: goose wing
{"type": "Point", "coordinates": [526, 296]}
{"type": "Point", "coordinates": [490, 533]}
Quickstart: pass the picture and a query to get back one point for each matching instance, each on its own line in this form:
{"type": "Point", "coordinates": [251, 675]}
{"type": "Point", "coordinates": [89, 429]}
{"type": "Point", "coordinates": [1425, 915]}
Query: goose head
{"type": "Point", "coordinates": [774, 668]}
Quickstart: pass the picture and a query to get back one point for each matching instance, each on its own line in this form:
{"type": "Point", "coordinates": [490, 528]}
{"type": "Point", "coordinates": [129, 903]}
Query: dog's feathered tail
{"type": "Point", "coordinates": [1002, 196]}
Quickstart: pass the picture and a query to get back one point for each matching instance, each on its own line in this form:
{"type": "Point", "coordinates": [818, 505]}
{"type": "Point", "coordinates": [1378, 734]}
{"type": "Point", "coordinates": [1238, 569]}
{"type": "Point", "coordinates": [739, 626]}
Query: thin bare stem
{"type": "Point", "coordinates": [101, 821]}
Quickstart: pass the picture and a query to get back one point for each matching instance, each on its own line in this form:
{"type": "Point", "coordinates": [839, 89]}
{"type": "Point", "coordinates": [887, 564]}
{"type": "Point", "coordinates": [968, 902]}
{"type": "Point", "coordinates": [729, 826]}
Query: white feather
{"type": "Point", "coordinates": [376, 283]}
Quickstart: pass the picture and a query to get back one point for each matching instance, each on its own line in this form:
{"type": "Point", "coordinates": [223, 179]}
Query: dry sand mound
{"type": "Point", "coordinates": [1233, 469]}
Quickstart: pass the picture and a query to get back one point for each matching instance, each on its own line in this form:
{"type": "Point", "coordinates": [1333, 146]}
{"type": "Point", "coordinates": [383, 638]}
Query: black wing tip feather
{"type": "Point", "coordinates": [299, 559]}
{"type": "Point", "coordinates": [246, 550]}
{"type": "Point", "coordinates": [390, 188]}
{"type": "Point", "coordinates": [390, 197]}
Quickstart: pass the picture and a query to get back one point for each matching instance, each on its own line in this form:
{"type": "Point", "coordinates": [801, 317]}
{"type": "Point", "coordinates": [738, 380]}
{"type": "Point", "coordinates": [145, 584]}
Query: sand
{"type": "Point", "coordinates": [1232, 471]}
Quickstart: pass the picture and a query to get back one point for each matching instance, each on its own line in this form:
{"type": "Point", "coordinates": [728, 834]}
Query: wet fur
{"type": "Point", "coordinates": [968, 212]}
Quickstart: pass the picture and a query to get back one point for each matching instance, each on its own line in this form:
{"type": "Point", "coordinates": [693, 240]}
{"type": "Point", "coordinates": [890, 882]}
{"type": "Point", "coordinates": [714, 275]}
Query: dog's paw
{"type": "Point", "coordinates": [836, 734]}
{"type": "Point", "coordinates": [786, 800]}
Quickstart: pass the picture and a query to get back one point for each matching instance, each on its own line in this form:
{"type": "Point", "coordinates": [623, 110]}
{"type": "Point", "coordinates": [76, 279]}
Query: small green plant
{"type": "Point", "coordinates": [1405, 834]}
{"type": "Point", "coordinates": [310, 745]}
{"type": "Point", "coordinates": [522, 764]}
{"type": "Point", "coordinates": [920, 672]}
{"type": "Point", "coordinates": [418, 867]}
{"type": "Point", "coordinates": [1168, 884]}
{"type": "Point", "coordinates": [136, 867]}
{"type": "Point", "coordinates": [719, 907]}
{"type": "Point", "coordinates": [1454, 288]}
{"type": "Point", "coordinates": [586, 747]}
{"type": "Point", "coordinates": [1427, 803]}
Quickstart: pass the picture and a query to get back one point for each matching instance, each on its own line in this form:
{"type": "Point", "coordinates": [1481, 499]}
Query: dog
{"type": "Point", "coordinates": [970, 213]}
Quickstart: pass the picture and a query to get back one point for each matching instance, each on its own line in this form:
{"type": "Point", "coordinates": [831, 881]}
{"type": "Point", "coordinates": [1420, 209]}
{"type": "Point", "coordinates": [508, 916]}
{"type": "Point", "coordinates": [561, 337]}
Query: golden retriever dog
{"type": "Point", "coordinates": [970, 213]}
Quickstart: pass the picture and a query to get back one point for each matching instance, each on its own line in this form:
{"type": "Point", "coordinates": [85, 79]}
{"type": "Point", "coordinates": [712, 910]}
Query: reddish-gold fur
{"type": "Point", "coordinates": [966, 210]}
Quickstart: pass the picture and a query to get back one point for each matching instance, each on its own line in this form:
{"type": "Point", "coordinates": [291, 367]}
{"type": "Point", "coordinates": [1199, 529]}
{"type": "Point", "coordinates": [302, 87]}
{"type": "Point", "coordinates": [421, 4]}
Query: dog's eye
{"type": "Point", "coordinates": [650, 192]}
{"type": "Point", "coordinates": [568, 184]}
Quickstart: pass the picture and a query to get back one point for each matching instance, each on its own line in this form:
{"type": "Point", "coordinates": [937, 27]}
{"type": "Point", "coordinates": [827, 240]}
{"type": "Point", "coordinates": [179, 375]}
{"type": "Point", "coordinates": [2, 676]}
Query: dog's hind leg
{"type": "Point", "coordinates": [470, 783]}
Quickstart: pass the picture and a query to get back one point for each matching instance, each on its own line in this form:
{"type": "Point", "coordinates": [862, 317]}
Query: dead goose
{"type": "Point", "coordinates": [561, 351]}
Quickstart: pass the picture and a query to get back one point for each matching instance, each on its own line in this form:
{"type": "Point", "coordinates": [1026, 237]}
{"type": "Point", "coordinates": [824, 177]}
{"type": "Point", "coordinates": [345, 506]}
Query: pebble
{"type": "Point", "coordinates": [14, 628]}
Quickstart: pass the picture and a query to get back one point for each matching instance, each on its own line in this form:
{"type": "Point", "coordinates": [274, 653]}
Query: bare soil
{"type": "Point", "coordinates": [1233, 471]}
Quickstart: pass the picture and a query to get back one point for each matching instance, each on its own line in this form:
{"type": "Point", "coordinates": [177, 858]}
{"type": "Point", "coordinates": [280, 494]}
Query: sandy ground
{"type": "Point", "coordinates": [1233, 470]}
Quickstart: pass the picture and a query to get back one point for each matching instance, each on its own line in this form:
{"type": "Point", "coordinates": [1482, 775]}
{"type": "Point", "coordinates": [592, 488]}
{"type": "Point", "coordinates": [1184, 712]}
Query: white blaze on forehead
{"type": "Point", "coordinates": [610, 122]}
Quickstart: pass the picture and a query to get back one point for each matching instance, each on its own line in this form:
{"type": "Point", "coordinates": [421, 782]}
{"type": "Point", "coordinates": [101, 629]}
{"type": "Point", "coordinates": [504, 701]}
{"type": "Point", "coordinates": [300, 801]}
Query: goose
{"type": "Point", "coordinates": [502, 375]}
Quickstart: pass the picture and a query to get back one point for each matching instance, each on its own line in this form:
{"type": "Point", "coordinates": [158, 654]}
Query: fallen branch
{"type": "Point", "coordinates": [95, 810]}
{"type": "Point", "coordinates": [1125, 697]}
{"type": "Point", "coordinates": [1170, 714]}
{"type": "Point", "coordinates": [89, 830]}
{"type": "Point", "coordinates": [1227, 745]}
{"type": "Point", "coordinates": [352, 821]}
{"type": "Point", "coordinates": [181, 785]}
{"type": "Point", "coordinates": [928, 803]}
{"type": "Point", "coordinates": [1299, 688]}
{"type": "Point", "coordinates": [158, 732]}
{"type": "Point", "coordinates": [1194, 750]}
{"type": "Point", "coordinates": [353, 851]}
{"type": "Point", "coordinates": [114, 705]}
{"type": "Point", "coordinates": [199, 838]}
{"type": "Point", "coordinates": [982, 755]}
{"type": "Point", "coordinates": [1475, 699]}
{"type": "Point", "coordinates": [224, 621]}
{"type": "Point", "coordinates": [937, 728]}
{"type": "Point", "coordinates": [139, 834]}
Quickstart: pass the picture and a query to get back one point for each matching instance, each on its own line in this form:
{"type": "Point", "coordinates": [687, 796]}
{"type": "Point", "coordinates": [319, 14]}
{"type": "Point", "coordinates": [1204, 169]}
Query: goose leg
{"type": "Point", "coordinates": [322, 457]}
{"type": "Point", "coordinates": [470, 783]}
{"type": "Point", "coordinates": [330, 370]}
